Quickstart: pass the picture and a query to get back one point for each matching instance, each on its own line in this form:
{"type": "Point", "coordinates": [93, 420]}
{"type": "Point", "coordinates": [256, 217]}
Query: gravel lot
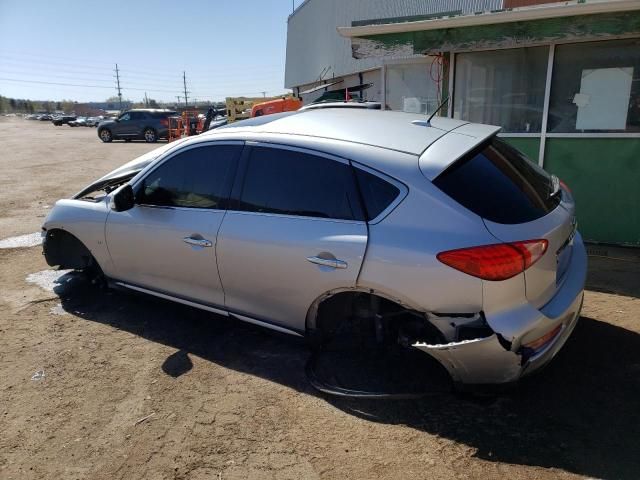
{"type": "Point", "coordinates": [107, 385]}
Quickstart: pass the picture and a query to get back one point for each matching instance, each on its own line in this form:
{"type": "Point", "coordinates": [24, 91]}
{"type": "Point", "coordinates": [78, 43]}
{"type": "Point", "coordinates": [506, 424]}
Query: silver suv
{"type": "Point", "coordinates": [437, 236]}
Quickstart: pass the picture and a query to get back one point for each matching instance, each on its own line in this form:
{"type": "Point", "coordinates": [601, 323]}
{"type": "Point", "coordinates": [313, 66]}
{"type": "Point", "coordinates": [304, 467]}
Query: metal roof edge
{"type": "Point", "coordinates": [555, 10]}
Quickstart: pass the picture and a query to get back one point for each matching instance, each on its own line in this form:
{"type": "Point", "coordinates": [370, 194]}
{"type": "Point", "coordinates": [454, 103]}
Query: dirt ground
{"type": "Point", "coordinates": [107, 385]}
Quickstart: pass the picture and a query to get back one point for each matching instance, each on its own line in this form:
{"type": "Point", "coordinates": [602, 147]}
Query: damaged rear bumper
{"type": "Point", "coordinates": [503, 357]}
{"type": "Point", "coordinates": [489, 360]}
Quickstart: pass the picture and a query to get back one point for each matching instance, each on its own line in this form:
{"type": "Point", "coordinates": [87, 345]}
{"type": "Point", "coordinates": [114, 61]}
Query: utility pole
{"type": "Point", "coordinates": [178, 97]}
{"type": "Point", "coordinates": [146, 100]}
{"type": "Point", "coordinates": [184, 81]}
{"type": "Point", "coordinates": [118, 83]}
{"type": "Point", "coordinates": [264, 94]}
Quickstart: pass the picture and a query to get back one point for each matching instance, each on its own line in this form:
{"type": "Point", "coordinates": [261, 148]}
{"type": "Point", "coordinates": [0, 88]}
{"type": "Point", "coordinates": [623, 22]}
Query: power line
{"type": "Point", "coordinates": [85, 62]}
{"type": "Point", "coordinates": [104, 87]}
{"type": "Point", "coordinates": [213, 96]}
{"type": "Point", "coordinates": [231, 69]}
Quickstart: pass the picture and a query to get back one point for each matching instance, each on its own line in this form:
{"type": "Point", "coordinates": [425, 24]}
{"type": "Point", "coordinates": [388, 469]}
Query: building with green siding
{"type": "Point", "coordinates": [561, 78]}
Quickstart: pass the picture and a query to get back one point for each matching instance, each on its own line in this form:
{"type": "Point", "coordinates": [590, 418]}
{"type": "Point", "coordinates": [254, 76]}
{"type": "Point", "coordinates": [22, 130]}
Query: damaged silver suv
{"type": "Point", "coordinates": [442, 235]}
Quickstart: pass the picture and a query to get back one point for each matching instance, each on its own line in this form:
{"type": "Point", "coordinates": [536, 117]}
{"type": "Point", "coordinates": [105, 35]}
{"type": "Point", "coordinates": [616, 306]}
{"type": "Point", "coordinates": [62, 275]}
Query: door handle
{"type": "Point", "coordinates": [328, 262]}
{"type": "Point", "coordinates": [197, 242]}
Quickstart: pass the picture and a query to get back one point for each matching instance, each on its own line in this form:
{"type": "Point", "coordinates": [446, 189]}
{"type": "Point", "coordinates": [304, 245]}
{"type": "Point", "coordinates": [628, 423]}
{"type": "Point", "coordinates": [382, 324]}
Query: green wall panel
{"type": "Point", "coordinates": [529, 146]}
{"type": "Point", "coordinates": [501, 35]}
{"type": "Point", "coordinates": [604, 176]}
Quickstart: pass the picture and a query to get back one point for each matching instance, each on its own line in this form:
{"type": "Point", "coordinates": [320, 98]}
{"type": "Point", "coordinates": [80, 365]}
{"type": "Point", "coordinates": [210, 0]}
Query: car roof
{"type": "Point", "coordinates": [403, 132]}
{"type": "Point", "coordinates": [152, 110]}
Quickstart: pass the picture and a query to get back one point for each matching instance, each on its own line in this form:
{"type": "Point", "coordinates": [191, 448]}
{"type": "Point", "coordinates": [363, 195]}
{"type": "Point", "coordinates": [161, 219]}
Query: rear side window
{"type": "Point", "coordinates": [196, 178]}
{"type": "Point", "coordinates": [293, 183]}
{"type": "Point", "coordinates": [377, 193]}
{"type": "Point", "coordinates": [162, 114]}
{"type": "Point", "coordinates": [500, 184]}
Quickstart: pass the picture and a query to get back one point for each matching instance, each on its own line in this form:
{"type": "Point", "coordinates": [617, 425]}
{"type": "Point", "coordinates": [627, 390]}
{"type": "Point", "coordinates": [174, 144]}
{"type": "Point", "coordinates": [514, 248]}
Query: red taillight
{"type": "Point", "coordinates": [164, 122]}
{"type": "Point", "coordinates": [495, 262]}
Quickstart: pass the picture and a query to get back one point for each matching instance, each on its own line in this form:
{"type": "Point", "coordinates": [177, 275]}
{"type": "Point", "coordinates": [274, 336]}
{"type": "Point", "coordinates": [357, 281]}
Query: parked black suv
{"type": "Point", "coordinates": [62, 119]}
{"type": "Point", "coordinates": [140, 124]}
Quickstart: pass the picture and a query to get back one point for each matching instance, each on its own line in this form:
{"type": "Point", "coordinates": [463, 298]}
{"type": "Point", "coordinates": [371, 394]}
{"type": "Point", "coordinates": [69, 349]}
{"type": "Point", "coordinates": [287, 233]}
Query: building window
{"type": "Point", "coordinates": [411, 88]}
{"type": "Point", "coordinates": [502, 87]}
{"type": "Point", "coordinates": [596, 87]}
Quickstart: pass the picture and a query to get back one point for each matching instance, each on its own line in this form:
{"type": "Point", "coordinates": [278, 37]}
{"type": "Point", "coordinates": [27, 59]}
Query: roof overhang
{"type": "Point", "coordinates": [321, 86]}
{"type": "Point", "coordinates": [546, 11]}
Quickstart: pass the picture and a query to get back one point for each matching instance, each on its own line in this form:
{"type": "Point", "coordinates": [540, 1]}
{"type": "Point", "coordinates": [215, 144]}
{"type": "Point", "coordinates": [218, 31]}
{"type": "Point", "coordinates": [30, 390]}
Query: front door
{"type": "Point", "coordinates": [295, 232]}
{"type": "Point", "coordinates": [128, 124]}
{"type": "Point", "coordinates": [167, 241]}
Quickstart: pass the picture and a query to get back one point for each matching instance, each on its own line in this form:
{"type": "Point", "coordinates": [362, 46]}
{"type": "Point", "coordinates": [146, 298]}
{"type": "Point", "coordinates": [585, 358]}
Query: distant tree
{"type": "Point", "coordinates": [153, 103]}
{"type": "Point", "coordinates": [12, 102]}
{"type": "Point", "coordinates": [68, 106]}
{"type": "Point", "coordinates": [58, 105]}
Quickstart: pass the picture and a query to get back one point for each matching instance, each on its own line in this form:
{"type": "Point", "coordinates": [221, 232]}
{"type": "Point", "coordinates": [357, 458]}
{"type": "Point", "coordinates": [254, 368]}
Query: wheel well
{"type": "Point", "coordinates": [366, 317]}
{"type": "Point", "coordinates": [63, 249]}
{"type": "Point", "coordinates": [102, 129]}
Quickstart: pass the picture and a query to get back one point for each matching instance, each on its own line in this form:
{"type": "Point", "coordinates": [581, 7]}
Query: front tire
{"type": "Point", "coordinates": [105, 135]}
{"type": "Point", "coordinates": [150, 135]}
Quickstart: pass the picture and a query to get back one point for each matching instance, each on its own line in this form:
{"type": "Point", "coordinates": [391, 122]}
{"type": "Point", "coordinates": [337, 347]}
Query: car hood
{"type": "Point", "coordinates": [127, 171]}
{"type": "Point", "coordinates": [107, 122]}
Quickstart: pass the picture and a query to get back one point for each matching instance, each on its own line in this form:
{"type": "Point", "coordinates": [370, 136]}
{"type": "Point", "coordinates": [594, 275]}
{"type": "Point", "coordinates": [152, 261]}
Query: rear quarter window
{"type": "Point", "coordinates": [377, 193]}
{"type": "Point", "coordinates": [498, 183]}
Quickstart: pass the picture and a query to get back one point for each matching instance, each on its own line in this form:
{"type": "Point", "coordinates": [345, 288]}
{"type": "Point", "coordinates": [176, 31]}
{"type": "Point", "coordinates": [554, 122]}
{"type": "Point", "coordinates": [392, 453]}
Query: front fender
{"type": "Point", "coordinates": [85, 220]}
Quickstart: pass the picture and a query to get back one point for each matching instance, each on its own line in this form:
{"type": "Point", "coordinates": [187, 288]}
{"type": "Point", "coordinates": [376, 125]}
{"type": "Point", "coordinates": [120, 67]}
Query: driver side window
{"type": "Point", "coordinates": [125, 117]}
{"type": "Point", "coordinates": [200, 177]}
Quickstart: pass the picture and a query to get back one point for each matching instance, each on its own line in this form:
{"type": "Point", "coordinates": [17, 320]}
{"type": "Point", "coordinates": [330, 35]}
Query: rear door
{"type": "Point", "coordinates": [167, 241]}
{"type": "Point", "coordinates": [518, 201]}
{"type": "Point", "coordinates": [296, 231]}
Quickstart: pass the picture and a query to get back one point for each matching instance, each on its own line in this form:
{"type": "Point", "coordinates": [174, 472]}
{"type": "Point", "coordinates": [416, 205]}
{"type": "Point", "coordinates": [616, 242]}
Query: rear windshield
{"type": "Point", "coordinates": [499, 183]}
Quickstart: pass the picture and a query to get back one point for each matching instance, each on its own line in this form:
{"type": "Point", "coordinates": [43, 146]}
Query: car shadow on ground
{"type": "Point", "coordinates": [581, 414]}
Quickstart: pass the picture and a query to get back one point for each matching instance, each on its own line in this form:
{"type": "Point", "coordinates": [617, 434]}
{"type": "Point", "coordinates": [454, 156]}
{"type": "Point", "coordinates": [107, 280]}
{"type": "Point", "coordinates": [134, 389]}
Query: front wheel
{"type": "Point", "coordinates": [105, 135]}
{"type": "Point", "coordinates": [150, 135]}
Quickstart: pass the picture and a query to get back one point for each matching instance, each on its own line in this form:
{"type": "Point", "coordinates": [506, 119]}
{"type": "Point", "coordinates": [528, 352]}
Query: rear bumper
{"type": "Point", "coordinates": [498, 360]}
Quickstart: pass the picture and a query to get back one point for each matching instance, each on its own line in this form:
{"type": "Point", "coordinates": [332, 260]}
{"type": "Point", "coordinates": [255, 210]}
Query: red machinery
{"type": "Point", "coordinates": [185, 125]}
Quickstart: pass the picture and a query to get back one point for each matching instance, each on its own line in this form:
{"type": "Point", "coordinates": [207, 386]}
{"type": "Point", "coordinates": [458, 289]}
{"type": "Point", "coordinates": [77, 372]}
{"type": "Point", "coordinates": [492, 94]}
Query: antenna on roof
{"type": "Point", "coordinates": [436, 111]}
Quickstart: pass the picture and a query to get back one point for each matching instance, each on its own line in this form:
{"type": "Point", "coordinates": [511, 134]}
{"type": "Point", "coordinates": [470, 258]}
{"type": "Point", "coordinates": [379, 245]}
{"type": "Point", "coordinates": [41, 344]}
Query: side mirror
{"type": "Point", "coordinates": [124, 199]}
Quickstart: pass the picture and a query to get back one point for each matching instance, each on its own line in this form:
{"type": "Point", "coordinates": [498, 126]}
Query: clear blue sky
{"type": "Point", "coordinates": [226, 47]}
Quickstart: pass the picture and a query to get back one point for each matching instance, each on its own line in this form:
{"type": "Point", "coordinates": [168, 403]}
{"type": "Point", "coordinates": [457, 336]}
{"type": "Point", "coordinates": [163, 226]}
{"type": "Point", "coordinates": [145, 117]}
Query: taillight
{"type": "Point", "coordinates": [164, 122]}
{"type": "Point", "coordinates": [495, 262]}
